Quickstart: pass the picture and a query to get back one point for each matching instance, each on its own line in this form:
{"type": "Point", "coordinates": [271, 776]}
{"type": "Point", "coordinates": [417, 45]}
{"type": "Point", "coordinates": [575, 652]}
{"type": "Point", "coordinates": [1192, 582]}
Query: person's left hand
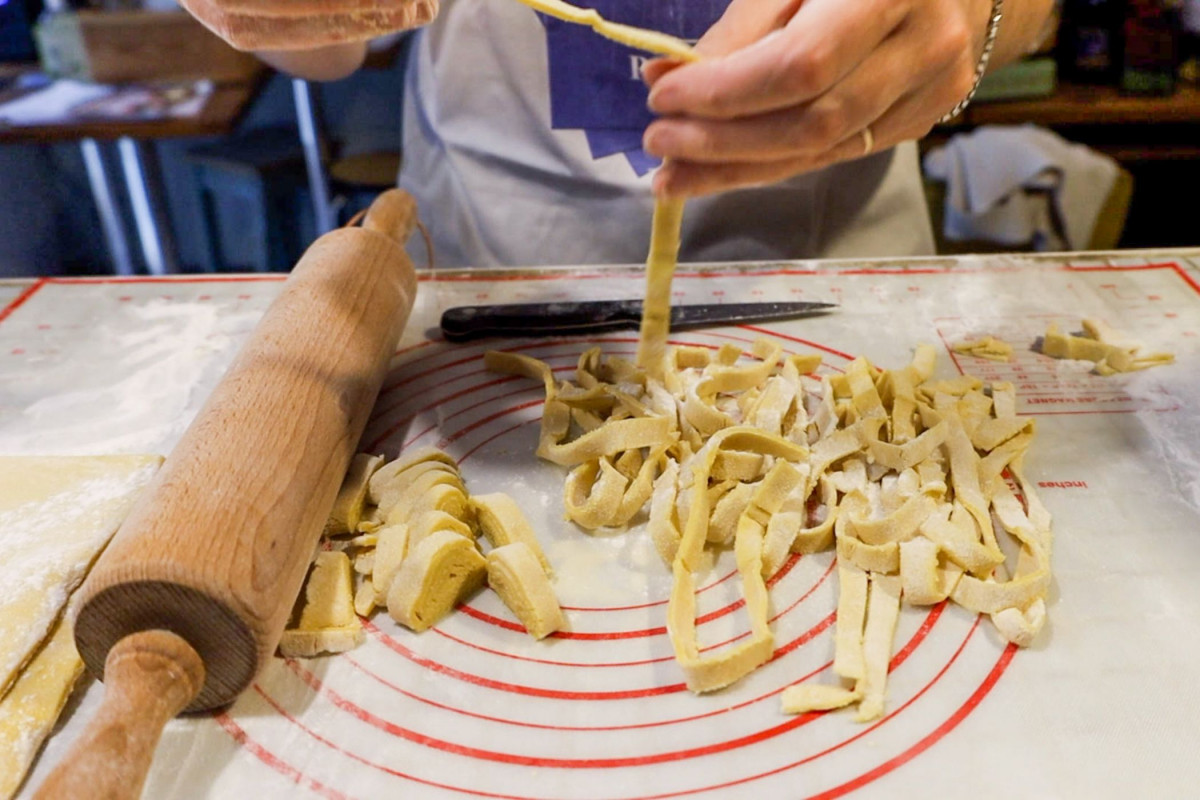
{"type": "Point", "coordinates": [789, 86]}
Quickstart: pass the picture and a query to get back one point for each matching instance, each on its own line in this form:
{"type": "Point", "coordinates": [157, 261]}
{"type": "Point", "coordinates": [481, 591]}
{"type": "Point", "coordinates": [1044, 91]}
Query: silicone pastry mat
{"type": "Point", "coordinates": [1102, 706]}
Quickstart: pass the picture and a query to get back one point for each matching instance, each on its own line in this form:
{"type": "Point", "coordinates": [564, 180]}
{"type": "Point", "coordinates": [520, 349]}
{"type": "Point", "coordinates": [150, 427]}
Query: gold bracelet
{"type": "Point", "coordinates": [989, 42]}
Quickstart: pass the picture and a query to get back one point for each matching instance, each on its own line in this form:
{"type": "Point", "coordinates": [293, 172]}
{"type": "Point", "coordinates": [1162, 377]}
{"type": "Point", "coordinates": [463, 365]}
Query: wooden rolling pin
{"type": "Point", "coordinates": [190, 599]}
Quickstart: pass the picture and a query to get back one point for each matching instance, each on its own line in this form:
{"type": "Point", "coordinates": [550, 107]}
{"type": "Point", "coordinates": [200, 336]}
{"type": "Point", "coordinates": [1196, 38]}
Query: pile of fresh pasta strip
{"type": "Point", "coordinates": [916, 483]}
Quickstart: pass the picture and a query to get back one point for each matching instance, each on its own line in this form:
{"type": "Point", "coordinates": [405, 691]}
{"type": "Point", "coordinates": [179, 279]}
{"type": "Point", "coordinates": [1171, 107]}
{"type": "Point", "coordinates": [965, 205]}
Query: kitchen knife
{"type": "Point", "coordinates": [463, 323]}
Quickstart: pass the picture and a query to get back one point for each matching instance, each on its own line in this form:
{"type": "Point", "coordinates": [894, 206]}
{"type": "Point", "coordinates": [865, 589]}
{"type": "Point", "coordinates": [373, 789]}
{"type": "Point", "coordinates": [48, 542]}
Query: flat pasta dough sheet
{"type": "Point", "coordinates": [32, 705]}
{"type": "Point", "coordinates": [56, 515]}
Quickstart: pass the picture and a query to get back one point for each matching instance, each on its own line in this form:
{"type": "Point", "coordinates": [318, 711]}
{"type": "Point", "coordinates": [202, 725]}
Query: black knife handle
{"type": "Point", "coordinates": [463, 323]}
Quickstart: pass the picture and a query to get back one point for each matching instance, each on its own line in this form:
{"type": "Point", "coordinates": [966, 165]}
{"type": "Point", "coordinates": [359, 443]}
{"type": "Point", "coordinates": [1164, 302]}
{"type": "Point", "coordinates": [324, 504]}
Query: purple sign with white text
{"type": "Point", "coordinates": [596, 84]}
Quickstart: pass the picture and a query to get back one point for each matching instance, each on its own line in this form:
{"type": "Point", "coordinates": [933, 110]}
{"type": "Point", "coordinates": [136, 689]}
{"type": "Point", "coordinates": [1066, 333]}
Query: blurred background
{"type": "Point", "coordinates": [134, 141]}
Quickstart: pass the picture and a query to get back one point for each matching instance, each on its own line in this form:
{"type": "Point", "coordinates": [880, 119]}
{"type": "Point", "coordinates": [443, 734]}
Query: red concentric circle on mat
{"type": "Point", "coordinates": [476, 707]}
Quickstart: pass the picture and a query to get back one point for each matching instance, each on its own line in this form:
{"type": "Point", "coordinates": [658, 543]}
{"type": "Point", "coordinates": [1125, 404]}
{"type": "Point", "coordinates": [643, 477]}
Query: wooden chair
{"type": "Point", "coordinates": [1110, 222]}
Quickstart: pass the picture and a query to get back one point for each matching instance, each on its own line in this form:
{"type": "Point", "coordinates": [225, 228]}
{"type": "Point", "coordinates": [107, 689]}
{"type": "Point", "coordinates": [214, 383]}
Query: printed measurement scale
{"type": "Point", "coordinates": [474, 707]}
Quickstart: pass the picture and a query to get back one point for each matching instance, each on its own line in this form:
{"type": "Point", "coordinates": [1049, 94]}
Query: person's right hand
{"type": "Point", "coordinates": [307, 24]}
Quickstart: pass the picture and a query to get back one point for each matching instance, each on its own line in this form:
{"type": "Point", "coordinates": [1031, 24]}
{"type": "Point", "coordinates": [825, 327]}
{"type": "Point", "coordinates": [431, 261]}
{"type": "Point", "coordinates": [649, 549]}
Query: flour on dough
{"type": "Point", "coordinates": [56, 515]}
{"type": "Point", "coordinates": [31, 707]}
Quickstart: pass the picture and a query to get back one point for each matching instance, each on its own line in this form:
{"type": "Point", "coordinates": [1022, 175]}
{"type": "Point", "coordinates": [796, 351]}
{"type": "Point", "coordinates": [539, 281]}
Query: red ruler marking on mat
{"type": "Point", "coordinates": [22, 298]}
{"type": "Point", "coordinates": [875, 773]}
{"type": "Point", "coordinates": [933, 738]}
{"type": "Point", "coordinates": [264, 755]}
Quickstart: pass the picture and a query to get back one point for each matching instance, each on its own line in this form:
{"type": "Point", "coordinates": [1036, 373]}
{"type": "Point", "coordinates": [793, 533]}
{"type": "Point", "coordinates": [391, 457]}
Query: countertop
{"type": "Point", "coordinates": [1103, 705]}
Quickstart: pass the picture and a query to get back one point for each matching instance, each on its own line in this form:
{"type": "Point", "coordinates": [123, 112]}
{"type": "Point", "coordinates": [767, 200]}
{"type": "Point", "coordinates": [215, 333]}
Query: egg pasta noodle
{"type": "Point", "coordinates": [903, 476]}
{"type": "Point", "coordinates": [911, 480]}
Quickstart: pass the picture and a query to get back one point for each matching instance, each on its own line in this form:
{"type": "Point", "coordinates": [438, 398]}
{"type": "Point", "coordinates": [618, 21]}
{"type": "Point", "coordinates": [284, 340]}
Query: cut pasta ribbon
{"type": "Point", "coordinates": [903, 475]}
{"type": "Point", "coordinates": [660, 269]}
{"type": "Point", "coordinates": [1109, 350]}
{"type": "Point", "coordinates": [638, 38]}
{"type": "Point", "coordinates": [668, 214]}
{"type": "Point", "coordinates": [988, 347]}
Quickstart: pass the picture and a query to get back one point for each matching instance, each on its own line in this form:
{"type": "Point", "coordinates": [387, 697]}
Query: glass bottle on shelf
{"type": "Point", "coordinates": [1151, 49]}
{"type": "Point", "coordinates": [1189, 42]}
{"type": "Point", "coordinates": [58, 55]}
{"type": "Point", "coordinates": [1089, 42]}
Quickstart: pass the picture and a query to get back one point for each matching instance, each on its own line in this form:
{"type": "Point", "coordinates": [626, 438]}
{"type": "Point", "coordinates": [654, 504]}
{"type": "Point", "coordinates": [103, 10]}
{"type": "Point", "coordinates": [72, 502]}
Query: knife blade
{"type": "Point", "coordinates": [463, 323]}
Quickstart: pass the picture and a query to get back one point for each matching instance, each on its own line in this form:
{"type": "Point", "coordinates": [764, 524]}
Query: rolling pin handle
{"type": "Point", "coordinates": [394, 214]}
{"type": "Point", "coordinates": [149, 677]}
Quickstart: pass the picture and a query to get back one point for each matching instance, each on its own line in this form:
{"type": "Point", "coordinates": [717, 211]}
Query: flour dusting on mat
{"type": "Point", "coordinates": [132, 385]}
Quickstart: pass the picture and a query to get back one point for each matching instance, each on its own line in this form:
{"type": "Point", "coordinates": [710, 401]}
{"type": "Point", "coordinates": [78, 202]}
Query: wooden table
{"type": "Point", "coordinates": [221, 113]}
{"type": "Point", "coordinates": [1103, 706]}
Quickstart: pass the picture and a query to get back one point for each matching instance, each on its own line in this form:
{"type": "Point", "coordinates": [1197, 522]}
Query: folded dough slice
{"type": "Point", "coordinates": [56, 514]}
{"type": "Point", "coordinates": [327, 622]}
{"type": "Point", "coordinates": [351, 499]}
{"type": "Point", "coordinates": [502, 522]}
{"type": "Point", "coordinates": [31, 707]}
{"type": "Point", "coordinates": [514, 572]}
{"type": "Point", "coordinates": [442, 570]}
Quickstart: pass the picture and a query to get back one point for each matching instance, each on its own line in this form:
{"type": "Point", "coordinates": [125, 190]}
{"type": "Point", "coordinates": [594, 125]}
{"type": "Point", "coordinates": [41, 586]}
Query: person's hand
{"type": "Point", "coordinates": [789, 86]}
{"type": "Point", "coordinates": [307, 25]}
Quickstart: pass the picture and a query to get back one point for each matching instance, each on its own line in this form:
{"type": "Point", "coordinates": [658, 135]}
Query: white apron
{"type": "Point", "coordinates": [521, 147]}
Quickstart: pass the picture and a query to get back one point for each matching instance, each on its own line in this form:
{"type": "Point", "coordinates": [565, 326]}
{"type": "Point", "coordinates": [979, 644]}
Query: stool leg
{"type": "Point", "coordinates": [110, 222]}
{"type": "Point", "coordinates": [143, 180]}
{"type": "Point", "coordinates": [310, 140]}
